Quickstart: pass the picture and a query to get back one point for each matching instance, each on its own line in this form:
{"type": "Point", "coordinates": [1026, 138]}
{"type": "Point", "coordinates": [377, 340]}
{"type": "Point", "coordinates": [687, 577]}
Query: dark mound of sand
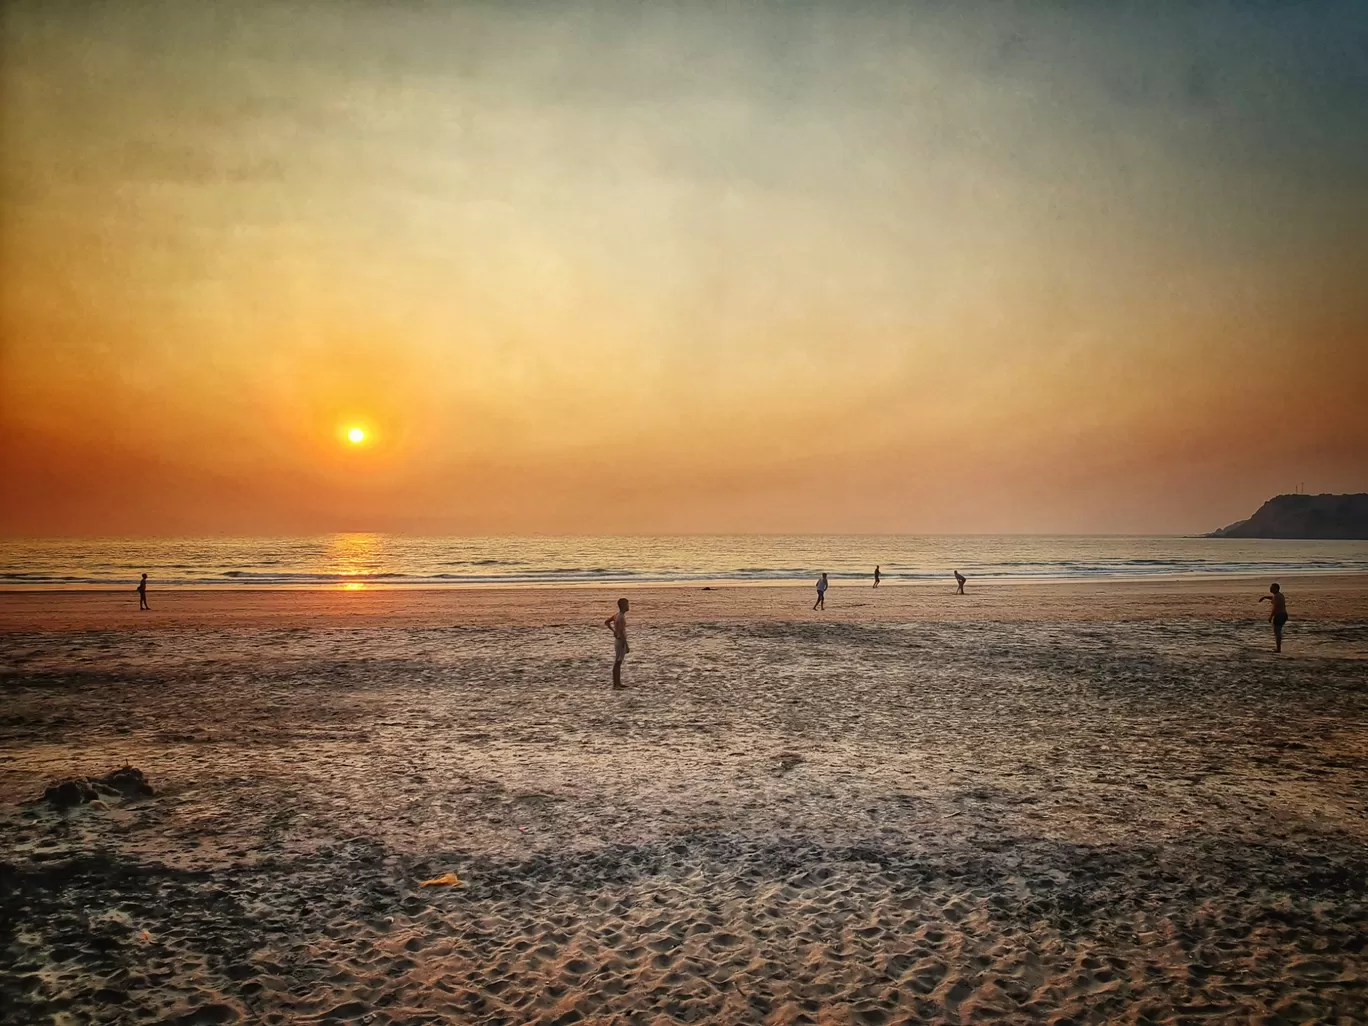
{"type": "Point", "coordinates": [66, 793]}
{"type": "Point", "coordinates": [125, 782]}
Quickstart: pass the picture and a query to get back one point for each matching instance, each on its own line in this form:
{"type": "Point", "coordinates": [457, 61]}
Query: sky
{"type": "Point", "coordinates": [679, 268]}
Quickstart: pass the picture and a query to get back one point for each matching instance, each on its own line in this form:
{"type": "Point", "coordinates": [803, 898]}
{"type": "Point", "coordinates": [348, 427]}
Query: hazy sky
{"type": "Point", "coordinates": [679, 267]}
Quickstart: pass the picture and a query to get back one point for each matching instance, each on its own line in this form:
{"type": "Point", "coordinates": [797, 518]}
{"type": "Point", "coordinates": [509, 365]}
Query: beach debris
{"type": "Point", "coordinates": [788, 760]}
{"type": "Point", "coordinates": [124, 782]}
{"type": "Point", "coordinates": [445, 880]}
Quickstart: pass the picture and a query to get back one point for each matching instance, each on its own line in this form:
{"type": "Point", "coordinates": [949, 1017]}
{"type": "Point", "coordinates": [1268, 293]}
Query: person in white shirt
{"type": "Point", "coordinates": [821, 593]}
{"type": "Point", "coordinates": [618, 622]}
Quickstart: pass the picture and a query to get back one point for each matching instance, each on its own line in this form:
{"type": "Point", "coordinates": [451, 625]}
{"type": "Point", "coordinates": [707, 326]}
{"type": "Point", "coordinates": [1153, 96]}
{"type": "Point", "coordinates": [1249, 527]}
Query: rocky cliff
{"type": "Point", "coordinates": [1304, 516]}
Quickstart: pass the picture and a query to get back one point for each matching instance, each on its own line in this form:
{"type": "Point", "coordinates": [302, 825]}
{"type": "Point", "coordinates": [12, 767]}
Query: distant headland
{"type": "Point", "coordinates": [1304, 516]}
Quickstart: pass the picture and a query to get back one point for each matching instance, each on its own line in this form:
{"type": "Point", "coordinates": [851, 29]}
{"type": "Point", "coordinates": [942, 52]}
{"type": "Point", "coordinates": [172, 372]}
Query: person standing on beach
{"type": "Point", "coordinates": [959, 579]}
{"type": "Point", "coordinates": [877, 576]}
{"type": "Point", "coordinates": [142, 593]}
{"type": "Point", "coordinates": [821, 593]}
{"type": "Point", "coordinates": [618, 622]}
{"type": "Point", "coordinates": [1278, 614]}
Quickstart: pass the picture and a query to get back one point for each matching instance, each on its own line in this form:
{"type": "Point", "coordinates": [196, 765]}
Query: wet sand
{"type": "Point", "coordinates": [1031, 803]}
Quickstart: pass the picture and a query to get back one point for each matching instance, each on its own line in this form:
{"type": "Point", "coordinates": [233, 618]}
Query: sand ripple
{"type": "Point", "coordinates": [708, 929]}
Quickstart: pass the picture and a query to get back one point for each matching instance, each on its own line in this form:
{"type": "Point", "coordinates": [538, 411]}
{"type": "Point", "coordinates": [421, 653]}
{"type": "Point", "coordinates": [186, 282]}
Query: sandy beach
{"type": "Point", "coordinates": [1063, 803]}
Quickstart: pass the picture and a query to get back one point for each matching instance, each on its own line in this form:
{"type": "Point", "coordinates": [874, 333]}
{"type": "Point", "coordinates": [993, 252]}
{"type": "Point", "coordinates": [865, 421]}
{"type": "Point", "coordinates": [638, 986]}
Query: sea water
{"type": "Point", "coordinates": [378, 560]}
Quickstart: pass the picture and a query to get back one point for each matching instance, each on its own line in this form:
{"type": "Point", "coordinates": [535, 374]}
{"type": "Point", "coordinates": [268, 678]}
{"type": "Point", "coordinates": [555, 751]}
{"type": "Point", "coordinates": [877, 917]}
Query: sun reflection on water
{"type": "Point", "coordinates": [355, 555]}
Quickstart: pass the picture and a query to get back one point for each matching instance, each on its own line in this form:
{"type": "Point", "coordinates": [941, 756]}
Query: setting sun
{"type": "Point", "coordinates": [356, 436]}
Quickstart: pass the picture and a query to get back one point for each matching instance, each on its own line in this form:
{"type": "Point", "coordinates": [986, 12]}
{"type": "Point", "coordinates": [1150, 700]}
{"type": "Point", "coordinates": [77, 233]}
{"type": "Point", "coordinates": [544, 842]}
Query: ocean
{"type": "Point", "coordinates": [384, 560]}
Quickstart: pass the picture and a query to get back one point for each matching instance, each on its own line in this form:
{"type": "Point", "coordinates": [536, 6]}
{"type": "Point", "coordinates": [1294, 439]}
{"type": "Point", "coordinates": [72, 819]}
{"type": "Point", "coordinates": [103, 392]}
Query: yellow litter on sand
{"type": "Point", "coordinates": [445, 880]}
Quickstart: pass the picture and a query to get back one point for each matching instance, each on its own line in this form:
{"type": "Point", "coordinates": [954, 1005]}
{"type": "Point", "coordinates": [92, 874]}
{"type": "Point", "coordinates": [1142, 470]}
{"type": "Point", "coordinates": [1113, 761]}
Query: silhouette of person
{"type": "Point", "coordinates": [618, 621]}
{"type": "Point", "coordinates": [1277, 614]}
{"type": "Point", "coordinates": [821, 593]}
{"type": "Point", "coordinates": [960, 579]}
{"type": "Point", "coordinates": [142, 593]}
{"type": "Point", "coordinates": [877, 576]}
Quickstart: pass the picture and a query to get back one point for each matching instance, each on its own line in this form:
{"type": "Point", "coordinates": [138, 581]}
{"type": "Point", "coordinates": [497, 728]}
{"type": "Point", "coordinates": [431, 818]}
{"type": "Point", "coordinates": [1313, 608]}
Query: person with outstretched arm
{"type": "Point", "coordinates": [1277, 615]}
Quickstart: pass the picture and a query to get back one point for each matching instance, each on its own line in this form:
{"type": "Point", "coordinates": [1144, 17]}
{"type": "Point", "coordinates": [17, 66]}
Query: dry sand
{"type": "Point", "coordinates": [1032, 803]}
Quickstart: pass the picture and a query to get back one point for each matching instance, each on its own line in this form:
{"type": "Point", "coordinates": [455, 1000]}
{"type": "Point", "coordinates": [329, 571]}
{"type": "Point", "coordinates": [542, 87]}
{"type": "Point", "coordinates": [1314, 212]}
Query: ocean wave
{"type": "Point", "coordinates": [397, 562]}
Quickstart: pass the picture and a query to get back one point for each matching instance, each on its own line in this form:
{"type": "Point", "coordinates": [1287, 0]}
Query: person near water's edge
{"type": "Point", "coordinates": [618, 622]}
{"type": "Point", "coordinates": [877, 576]}
{"type": "Point", "coordinates": [821, 593]}
{"type": "Point", "coordinates": [1278, 614]}
{"type": "Point", "coordinates": [142, 593]}
{"type": "Point", "coordinates": [960, 579]}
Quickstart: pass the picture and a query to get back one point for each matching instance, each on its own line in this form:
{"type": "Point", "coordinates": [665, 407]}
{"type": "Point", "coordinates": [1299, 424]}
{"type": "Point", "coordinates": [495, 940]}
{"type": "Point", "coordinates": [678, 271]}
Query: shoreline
{"type": "Point", "coordinates": [1316, 603]}
{"type": "Point", "coordinates": [705, 583]}
{"type": "Point", "coordinates": [1312, 597]}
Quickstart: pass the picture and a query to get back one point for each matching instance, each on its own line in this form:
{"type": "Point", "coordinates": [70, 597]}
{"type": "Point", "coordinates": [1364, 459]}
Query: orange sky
{"type": "Point", "coordinates": [609, 268]}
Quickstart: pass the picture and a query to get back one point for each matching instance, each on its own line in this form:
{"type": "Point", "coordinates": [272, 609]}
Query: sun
{"type": "Point", "coordinates": [356, 436]}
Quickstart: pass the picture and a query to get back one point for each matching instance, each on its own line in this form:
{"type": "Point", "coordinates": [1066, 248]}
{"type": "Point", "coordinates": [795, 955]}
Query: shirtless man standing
{"type": "Point", "coordinates": [1278, 614]}
{"type": "Point", "coordinates": [618, 621]}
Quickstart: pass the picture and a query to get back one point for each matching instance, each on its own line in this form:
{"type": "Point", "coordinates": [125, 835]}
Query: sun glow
{"type": "Point", "coordinates": [356, 436]}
